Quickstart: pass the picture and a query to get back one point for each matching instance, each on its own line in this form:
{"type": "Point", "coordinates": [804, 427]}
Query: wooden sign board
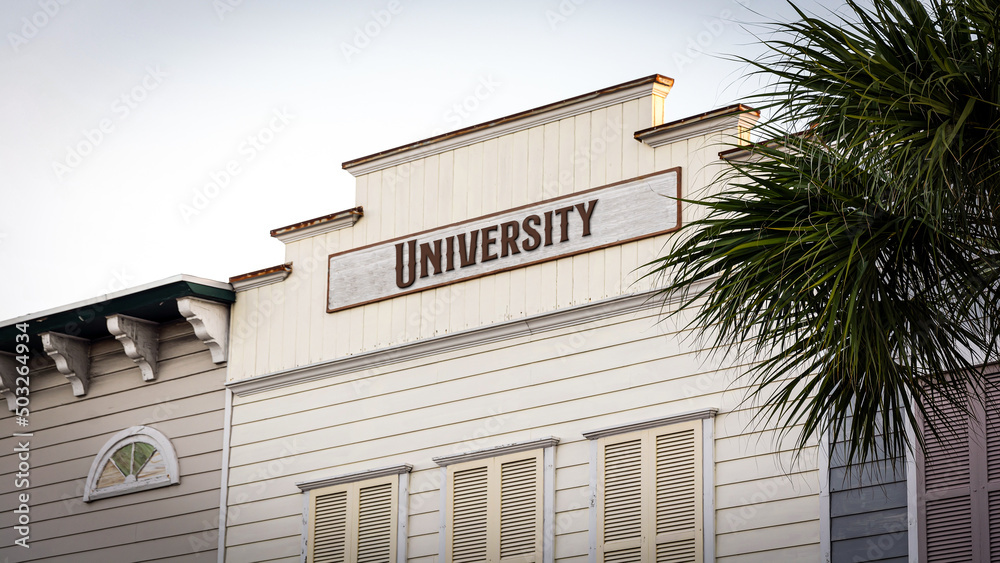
{"type": "Point", "coordinates": [515, 238]}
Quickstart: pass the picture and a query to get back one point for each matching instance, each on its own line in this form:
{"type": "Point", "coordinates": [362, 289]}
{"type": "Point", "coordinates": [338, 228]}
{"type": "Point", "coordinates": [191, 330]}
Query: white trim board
{"type": "Point", "coordinates": [708, 413]}
{"type": "Point", "coordinates": [313, 484]}
{"type": "Point", "coordinates": [496, 451]}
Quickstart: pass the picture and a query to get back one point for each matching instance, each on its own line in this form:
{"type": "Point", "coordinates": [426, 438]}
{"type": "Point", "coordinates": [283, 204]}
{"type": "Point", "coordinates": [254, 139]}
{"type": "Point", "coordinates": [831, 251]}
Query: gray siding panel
{"type": "Point", "coordinates": [868, 510]}
{"type": "Point", "coordinates": [868, 524]}
{"type": "Point", "coordinates": [868, 499]}
{"type": "Point", "coordinates": [186, 402]}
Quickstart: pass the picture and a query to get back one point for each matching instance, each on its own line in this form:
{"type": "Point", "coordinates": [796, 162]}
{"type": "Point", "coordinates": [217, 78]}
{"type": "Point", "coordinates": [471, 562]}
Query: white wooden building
{"type": "Point", "coordinates": [403, 388]}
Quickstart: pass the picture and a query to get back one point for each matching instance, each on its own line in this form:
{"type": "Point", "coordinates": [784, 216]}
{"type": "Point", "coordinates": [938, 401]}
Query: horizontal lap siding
{"type": "Point", "coordinates": [560, 383]}
{"type": "Point", "coordinates": [185, 402]}
{"type": "Point", "coordinates": [868, 509]}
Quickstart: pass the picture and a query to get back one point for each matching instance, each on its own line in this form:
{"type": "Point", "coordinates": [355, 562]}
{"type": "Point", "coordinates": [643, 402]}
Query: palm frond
{"type": "Point", "coordinates": [858, 263]}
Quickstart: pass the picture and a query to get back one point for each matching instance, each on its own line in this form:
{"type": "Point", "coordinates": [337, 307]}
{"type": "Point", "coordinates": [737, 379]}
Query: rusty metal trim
{"type": "Point", "coordinates": [359, 211]}
{"type": "Point", "coordinates": [261, 272]}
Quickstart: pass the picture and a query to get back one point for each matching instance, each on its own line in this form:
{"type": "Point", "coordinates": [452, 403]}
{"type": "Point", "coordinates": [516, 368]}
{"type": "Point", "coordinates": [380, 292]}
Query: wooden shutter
{"type": "Point", "coordinates": [678, 496]}
{"type": "Point", "coordinates": [961, 481]}
{"type": "Point", "coordinates": [354, 522]}
{"type": "Point", "coordinates": [650, 495]}
{"type": "Point", "coordinates": [948, 507]}
{"type": "Point", "coordinates": [520, 509]}
{"type": "Point", "coordinates": [376, 525]}
{"type": "Point", "coordinates": [328, 533]}
{"type": "Point", "coordinates": [622, 502]}
{"type": "Point", "coordinates": [470, 514]}
{"type": "Point", "coordinates": [496, 509]}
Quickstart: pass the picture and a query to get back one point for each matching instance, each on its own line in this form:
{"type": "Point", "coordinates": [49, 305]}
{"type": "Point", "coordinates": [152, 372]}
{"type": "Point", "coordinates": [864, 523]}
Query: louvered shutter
{"type": "Point", "coordinates": [520, 508]}
{"type": "Point", "coordinates": [354, 522]}
{"type": "Point", "coordinates": [470, 513]}
{"type": "Point", "coordinates": [621, 505]}
{"type": "Point", "coordinates": [649, 489]}
{"type": "Point", "coordinates": [496, 510]}
{"type": "Point", "coordinates": [376, 525]}
{"type": "Point", "coordinates": [961, 480]}
{"type": "Point", "coordinates": [328, 533]}
{"type": "Point", "coordinates": [948, 508]}
{"type": "Point", "coordinates": [678, 496]}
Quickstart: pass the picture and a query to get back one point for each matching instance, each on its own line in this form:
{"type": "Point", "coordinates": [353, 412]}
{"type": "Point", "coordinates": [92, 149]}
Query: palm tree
{"type": "Point", "coordinates": [857, 260]}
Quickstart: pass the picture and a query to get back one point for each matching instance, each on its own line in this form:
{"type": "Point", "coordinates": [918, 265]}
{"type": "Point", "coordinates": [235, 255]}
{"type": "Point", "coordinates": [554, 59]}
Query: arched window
{"type": "Point", "coordinates": [135, 459]}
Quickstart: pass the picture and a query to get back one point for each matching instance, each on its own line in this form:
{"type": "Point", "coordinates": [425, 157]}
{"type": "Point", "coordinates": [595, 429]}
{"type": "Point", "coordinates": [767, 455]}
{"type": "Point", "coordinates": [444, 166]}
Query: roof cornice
{"type": "Point", "coordinates": [656, 85]}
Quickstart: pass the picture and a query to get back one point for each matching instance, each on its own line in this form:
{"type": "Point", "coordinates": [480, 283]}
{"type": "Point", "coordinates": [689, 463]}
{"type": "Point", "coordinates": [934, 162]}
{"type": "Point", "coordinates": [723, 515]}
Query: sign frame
{"type": "Point", "coordinates": [675, 170]}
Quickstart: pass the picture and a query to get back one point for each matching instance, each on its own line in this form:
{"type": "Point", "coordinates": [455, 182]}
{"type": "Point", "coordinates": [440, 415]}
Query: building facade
{"type": "Point", "coordinates": [469, 366]}
{"type": "Point", "coordinates": [120, 457]}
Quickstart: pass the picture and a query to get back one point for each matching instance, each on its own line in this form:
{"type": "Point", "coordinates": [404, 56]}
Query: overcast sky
{"type": "Point", "coordinates": [116, 116]}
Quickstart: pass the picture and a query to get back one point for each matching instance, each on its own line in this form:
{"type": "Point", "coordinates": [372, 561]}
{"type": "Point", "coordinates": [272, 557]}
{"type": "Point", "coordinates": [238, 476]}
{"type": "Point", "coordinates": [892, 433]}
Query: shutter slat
{"type": "Point", "coordinates": [622, 495]}
{"type": "Point", "coordinates": [682, 551]}
{"type": "Point", "coordinates": [469, 509]}
{"type": "Point", "coordinates": [623, 556]}
{"type": "Point", "coordinates": [330, 528]}
{"type": "Point", "coordinates": [948, 523]}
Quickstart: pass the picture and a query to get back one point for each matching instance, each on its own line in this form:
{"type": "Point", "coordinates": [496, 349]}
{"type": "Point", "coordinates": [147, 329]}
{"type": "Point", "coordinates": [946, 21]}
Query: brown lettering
{"type": "Point", "coordinates": [509, 232]}
{"type": "Point", "coordinates": [467, 255]}
{"type": "Point", "coordinates": [450, 253]}
{"type": "Point", "coordinates": [412, 267]}
{"type": "Point", "coordinates": [548, 228]}
{"type": "Point", "coordinates": [563, 214]}
{"type": "Point", "coordinates": [432, 256]}
{"type": "Point", "coordinates": [534, 238]}
{"type": "Point", "coordinates": [585, 214]}
{"type": "Point", "coordinates": [487, 241]}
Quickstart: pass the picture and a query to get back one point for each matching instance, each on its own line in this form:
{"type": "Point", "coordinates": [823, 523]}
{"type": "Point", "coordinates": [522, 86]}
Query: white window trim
{"type": "Point", "coordinates": [402, 509]}
{"type": "Point", "coordinates": [825, 522]}
{"type": "Point", "coordinates": [128, 436]}
{"type": "Point", "coordinates": [548, 445]}
{"type": "Point", "coordinates": [912, 487]}
{"type": "Point", "coordinates": [707, 416]}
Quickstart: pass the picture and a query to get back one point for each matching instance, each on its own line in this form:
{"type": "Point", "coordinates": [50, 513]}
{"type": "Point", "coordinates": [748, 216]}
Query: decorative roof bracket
{"type": "Point", "coordinates": [140, 339]}
{"type": "Point", "coordinates": [211, 324]}
{"type": "Point", "coordinates": [8, 378]}
{"type": "Point", "coordinates": [72, 358]}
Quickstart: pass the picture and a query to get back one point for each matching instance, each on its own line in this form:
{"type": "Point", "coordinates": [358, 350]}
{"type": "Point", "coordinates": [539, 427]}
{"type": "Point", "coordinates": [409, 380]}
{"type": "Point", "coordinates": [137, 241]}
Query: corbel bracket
{"type": "Point", "coordinates": [211, 324]}
{"type": "Point", "coordinates": [140, 339]}
{"type": "Point", "coordinates": [8, 379]}
{"type": "Point", "coordinates": [72, 358]}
